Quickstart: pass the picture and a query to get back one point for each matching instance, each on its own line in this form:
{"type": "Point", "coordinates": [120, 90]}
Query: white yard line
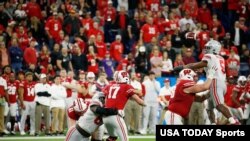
{"type": "Point", "coordinates": [63, 137]}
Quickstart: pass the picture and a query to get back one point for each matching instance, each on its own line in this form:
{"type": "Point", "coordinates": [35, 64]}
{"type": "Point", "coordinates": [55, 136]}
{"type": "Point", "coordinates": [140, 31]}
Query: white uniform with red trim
{"type": "Point", "coordinates": [218, 86]}
{"type": "Point", "coordinates": [90, 122]}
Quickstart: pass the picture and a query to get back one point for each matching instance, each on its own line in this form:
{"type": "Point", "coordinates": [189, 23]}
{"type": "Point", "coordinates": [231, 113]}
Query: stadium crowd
{"type": "Point", "coordinates": [75, 46]}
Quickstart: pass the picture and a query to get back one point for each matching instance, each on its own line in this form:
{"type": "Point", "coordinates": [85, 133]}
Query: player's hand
{"type": "Point", "coordinates": [211, 72]}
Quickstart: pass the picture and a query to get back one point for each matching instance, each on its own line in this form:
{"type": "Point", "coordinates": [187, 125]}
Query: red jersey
{"type": "Point", "coordinates": [229, 92]}
{"type": "Point", "coordinates": [29, 91]}
{"type": "Point", "coordinates": [33, 10]}
{"type": "Point", "coordinates": [30, 56]}
{"type": "Point", "coordinates": [149, 31]}
{"type": "Point", "coordinates": [171, 26]}
{"type": "Point", "coordinates": [101, 49]}
{"type": "Point", "coordinates": [116, 51]}
{"type": "Point", "coordinates": [117, 95]}
{"type": "Point", "coordinates": [53, 26]}
{"type": "Point", "coordinates": [153, 5]}
{"type": "Point", "coordinates": [243, 10]}
{"type": "Point", "coordinates": [203, 38]}
{"type": "Point", "coordinates": [67, 81]}
{"type": "Point", "coordinates": [247, 90]}
{"type": "Point", "coordinates": [12, 91]}
{"type": "Point", "coordinates": [232, 65]}
{"type": "Point", "coordinates": [181, 102]}
{"type": "Point", "coordinates": [87, 23]}
{"type": "Point", "coordinates": [240, 91]}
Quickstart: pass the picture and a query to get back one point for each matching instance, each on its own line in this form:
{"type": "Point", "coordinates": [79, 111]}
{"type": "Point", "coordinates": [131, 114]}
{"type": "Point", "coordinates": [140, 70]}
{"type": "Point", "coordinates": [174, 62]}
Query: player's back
{"type": "Point", "coordinates": [117, 95]}
{"type": "Point", "coordinates": [89, 121]}
{"type": "Point", "coordinates": [181, 102]}
{"type": "Point", "coordinates": [217, 61]}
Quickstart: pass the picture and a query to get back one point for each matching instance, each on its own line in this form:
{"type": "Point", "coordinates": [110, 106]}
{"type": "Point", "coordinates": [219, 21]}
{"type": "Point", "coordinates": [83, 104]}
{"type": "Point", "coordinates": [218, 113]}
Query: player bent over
{"type": "Point", "coordinates": [218, 87]}
{"type": "Point", "coordinates": [180, 104]}
{"type": "Point", "coordinates": [117, 95]}
{"type": "Point", "coordinates": [90, 122]}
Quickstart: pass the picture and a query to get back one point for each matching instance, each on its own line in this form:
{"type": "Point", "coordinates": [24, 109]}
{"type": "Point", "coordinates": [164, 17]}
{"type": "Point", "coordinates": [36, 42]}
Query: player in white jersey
{"type": "Point", "coordinates": [218, 87]}
{"type": "Point", "coordinates": [91, 122]}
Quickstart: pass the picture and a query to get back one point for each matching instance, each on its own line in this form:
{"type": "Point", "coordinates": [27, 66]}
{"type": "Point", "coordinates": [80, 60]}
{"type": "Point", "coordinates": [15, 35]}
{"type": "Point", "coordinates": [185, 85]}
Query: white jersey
{"type": "Point", "coordinates": [90, 121]}
{"type": "Point", "coordinates": [219, 62]}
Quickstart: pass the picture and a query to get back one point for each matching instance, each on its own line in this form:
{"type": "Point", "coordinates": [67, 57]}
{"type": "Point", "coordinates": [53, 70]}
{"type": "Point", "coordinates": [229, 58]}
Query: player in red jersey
{"type": "Point", "coordinates": [180, 104]}
{"type": "Point", "coordinates": [235, 105]}
{"type": "Point", "coordinates": [246, 98]}
{"type": "Point", "coordinates": [12, 86]}
{"type": "Point", "coordinates": [77, 109]}
{"type": "Point", "coordinates": [28, 104]}
{"type": "Point", "coordinates": [117, 95]}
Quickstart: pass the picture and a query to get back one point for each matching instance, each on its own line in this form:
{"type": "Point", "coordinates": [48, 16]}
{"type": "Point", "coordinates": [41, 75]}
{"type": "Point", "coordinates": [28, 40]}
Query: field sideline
{"type": "Point", "coordinates": [61, 138]}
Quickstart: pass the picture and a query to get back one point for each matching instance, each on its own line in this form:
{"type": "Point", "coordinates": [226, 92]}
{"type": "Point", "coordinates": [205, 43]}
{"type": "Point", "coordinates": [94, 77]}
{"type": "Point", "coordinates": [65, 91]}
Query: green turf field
{"type": "Point", "coordinates": [61, 138]}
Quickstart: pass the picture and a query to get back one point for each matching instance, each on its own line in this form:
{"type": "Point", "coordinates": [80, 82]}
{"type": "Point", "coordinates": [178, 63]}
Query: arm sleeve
{"type": "Point", "coordinates": [106, 111]}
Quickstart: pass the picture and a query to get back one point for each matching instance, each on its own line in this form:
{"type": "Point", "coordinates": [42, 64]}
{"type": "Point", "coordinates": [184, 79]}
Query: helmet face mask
{"type": "Point", "coordinates": [212, 47]}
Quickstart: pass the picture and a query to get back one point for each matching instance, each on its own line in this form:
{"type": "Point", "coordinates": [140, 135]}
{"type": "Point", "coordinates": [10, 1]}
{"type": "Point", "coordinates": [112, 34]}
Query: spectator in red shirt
{"type": "Point", "coordinates": [153, 5]}
{"type": "Point", "coordinates": [178, 61]}
{"type": "Point", "coordinates": [116, 49]}
{"type": "Point", "coordinates": [30, 54]}
{"type": "Point", "coordinates": [232, 65]}
{"type": "Point", "coordinates": [44, 57]}
{"type": "Point", "coordinates": [101, 47]}
{"type": "Point", "coordinates": [53, 27]}
{"type": "Point", "coordinates": [189, 58]}
{"type": "Point", "coordinates": [148, 31]}
{"type": "Point", "coordinates": [22, 37]}
{"type": "Point", "coordinates": [92, 60]}
{"type": "Point", "coordinates": [204, 14]}
{"type": "Point", "coordinates": [191, 7]}
{"type": "Point", "coordinates": [95, 30]}
{"type": "Point", "coordinates": [33, 9]}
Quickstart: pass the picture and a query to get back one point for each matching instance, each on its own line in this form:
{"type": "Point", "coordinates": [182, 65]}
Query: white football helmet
{"type": "Point", "coordinates": [123, 77]}
{"type": "Point", "coordinates": [242, 80]}
{"type": "Point", "coordinates": [79, 105]}
{"type": "Point", "coordinates": [99, 97]}
{"type": "Point", "coordinates": [187, 74]}
{"type": "Point", "coordinates": [212, 47]}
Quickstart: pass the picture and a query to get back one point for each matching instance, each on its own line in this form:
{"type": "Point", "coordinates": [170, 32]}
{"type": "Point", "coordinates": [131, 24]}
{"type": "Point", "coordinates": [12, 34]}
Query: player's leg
{"type": "Point", "coordinates": [128, 113]}
{"type": "Point", "coordinates": [145, 117]}
{"type": "Point", "coordinates": [173, 119]}
{"type": "Point", "coordinates": [217, 92]}
{"type": "Point", "coordinates": [137, 118]}
{"type": "Point", "coordinates": [74, 135]}
{"type": "Point", "coordinates": [192, 114]}
{"type": "Point", "coordinates": [246, 114]}
{"type": "Point", "coordinates": [116, 127]}
{"type": "Point", "coordinates": [61, 120]}
{"type": "Point", "coordinates": [25, 113]}
{"type": "Point", "coordinates": [98, 134]}
{"type": "Point", "coordinates": [46, 114]}
{"type": "Point", "coordinates": [38, 117]}
{"type": "Point", "coordinates": [55, 112]}
{"type": "Point", "coordinates": [200, 107]}
{"type": "Point", "coordinates": [153, 119]}
{"type": "Point", "coordinates": [13, 109]}
{"type": "Point", "coordinates": [32, 117]}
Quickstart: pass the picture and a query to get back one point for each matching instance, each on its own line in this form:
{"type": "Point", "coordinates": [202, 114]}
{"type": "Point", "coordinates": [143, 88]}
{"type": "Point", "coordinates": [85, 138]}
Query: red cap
{"type": "Point", "coordinates": [166, 80]}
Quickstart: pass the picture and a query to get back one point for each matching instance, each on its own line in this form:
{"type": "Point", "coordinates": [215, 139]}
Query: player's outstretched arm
{"type": "Point", "coordinates": [205, 86]}
{"type": "Point", "coordinates": [193, 66]}
{"type": "Point", "coordinates": [103, 111]}
{"type": "Point", "coordinates": [138, 100]}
